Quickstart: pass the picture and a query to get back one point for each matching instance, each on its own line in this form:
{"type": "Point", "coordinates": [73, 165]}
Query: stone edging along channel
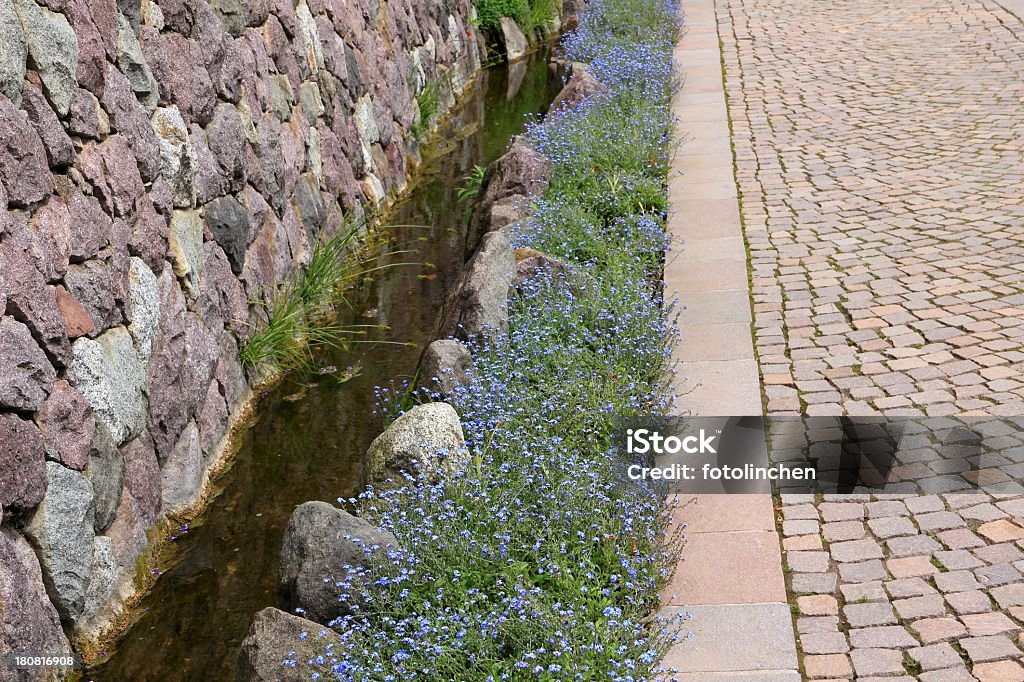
{"type": "Point", "coordinates": [335, 565]}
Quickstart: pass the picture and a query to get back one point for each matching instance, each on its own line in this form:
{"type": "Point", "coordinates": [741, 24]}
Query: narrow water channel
{"type": "Point", "coordinates": [309, 436]}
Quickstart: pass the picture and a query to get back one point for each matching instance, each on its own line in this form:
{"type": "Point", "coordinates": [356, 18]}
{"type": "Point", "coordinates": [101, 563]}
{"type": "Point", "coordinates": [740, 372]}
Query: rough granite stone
{"type": "Point", "coordinates": [478, 304]}
{"type": "Point", "coordinates": [176, 155]}
{"type": "Point", "coordinates": [113, 380]}
{"type": "Point", "coordinates": [275, 634]}
{"type": "Point", "coordinates": [62, 531]}
{"type": "Point", "coordinates": [102, 583]}
{"type": "Point", "coordinates": [87, 118]}
{"type": "Point", "coordinates": [26, 376]}
{"type": "Point", "coordinates": [29, 623]}
{"type": "Point", "coordinates": [516, 45]}
{"type": "Point", "coordinates": [106, 473]}
{"type": "Point", "coordinates": [581, 85]}
{"type": "Point", "coordinates": [426, 441]}
{"type": "Point", "coordinates": [142, 478]}
{"type": "Point", "coordinates": [320, 541]}
{"type": "Point", "coordinates": [132, 63]}
{"type": "Point", "coordinates": [180, 368]}
{"type": "Point", "coordinates": [60, 150]}
{"type": "Point", "coordinates": [22, 463]}
{"type": "Point", "coordinates": [186, 246]}
{"type": "Point", "coordinates": [145, 297]}
{"type": "Point", "coordinates": [14, 54]}
{"type": "Point", "coordinates": [129, 118]}
{"type": "Point", "coordinates": [24, 172]}
{"type": "Point", "coordinates": [222, 300]}
{"type": "Point", "coordinates": [446, 364]}
{"type": "Point", "coordinates": [182, 471]}
{"type": "Point", "coordinates": [66, 424]}
{"type": "Point", "coordinates": [53, 47]}
{"type": "Point", "coordinates": [229, 222]}
{"type": "Point", "coordinates": [521, 173]}
{"type": "Point", "coordinates": [93, 227]}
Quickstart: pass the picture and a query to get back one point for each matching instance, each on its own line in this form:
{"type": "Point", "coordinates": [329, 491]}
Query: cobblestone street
{"type": "Point", "coordinates": [879, 152]}
{"type": "Point", "coordinates": [880, 165]}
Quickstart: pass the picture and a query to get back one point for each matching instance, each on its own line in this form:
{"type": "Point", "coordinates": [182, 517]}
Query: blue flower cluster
{"type": "Point", "coordinates": [541, 560]}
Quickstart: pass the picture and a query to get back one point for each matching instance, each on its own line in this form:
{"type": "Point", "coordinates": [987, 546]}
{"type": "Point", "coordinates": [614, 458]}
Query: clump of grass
{"type": "Point", "coordinates": [298, 311]}
{"type": "Point", "coordinates": [538, 16]}
{"type": "Point", "coordinates": [428, 102]}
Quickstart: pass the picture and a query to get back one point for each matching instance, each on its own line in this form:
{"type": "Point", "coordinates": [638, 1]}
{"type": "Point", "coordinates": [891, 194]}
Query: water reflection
{"type": "Point", "coordinates": [310, 435]}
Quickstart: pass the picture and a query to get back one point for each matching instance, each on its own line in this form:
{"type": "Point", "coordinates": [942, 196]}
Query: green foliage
{"type": "Point", "coordinates": [539, 15]}
{"type": "Point", "coordinates": [529, 14]}
{"type": "Point", "coordinates": [471, 184]}
{"type": "Point", "coordinates": [490, 12]}
{"type": "Point", "coordinates": [429, 104]}
{"type": "Point", "coordinates": [297, 311]}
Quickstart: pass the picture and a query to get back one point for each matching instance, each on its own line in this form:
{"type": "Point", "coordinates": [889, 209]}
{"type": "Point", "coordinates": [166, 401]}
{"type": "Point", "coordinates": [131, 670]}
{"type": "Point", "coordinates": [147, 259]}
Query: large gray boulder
{"type": "Point", "coordinates": [28, 622]}
{"type": "Point", "coordinates": [62, 531]}
{"type": "Point", "coordinates": [322, 547]}
{"type": "Point", "coordinates": [478, 304]}
{"type": "Point", "coordinates": [275, 635]}
{"type": "Point", "coordinates": [581, 85]}
{"type": "Point", "coordinates": [530, 263]}
{"type": "Point", "coordinates": [425, 441]}
{"type": "Point", "coordinates": [445, 366]}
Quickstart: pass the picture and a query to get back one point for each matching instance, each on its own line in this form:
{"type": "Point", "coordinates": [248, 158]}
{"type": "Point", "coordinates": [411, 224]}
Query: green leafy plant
{"type": "Point", "coordinates": [428, 102]}
{"type": "Point", "coordinates": [472, 184]}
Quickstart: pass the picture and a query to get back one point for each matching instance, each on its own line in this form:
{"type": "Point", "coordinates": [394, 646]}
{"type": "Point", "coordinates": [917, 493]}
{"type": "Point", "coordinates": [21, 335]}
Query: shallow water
{"type": "Point", "coordinates": [309, 436]}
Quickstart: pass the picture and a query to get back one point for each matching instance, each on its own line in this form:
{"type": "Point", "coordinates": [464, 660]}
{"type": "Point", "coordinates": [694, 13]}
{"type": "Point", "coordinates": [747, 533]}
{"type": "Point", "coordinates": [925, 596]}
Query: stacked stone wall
{"type": "Point", "coordinates": [163, 164]}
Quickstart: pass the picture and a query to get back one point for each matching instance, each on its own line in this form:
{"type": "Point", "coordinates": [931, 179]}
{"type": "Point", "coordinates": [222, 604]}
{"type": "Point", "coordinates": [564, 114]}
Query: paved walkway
{"type": "Point", "coordinates": [876, 180]}
{"type": "Point", "coordinates": [880, 160]}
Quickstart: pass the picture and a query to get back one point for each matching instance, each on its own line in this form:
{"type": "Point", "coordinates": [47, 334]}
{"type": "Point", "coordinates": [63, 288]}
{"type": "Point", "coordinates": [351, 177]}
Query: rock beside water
{"type": "Point", "coordinates": [426, 440]}
{"type": "Point", "coordinates": [478, 304]}
{"type": "Point", "coordinates": [446, 365]}
{"type": "Point", "coordinates": [516, 44]}
{"type": "Point", "coordinates": [508, 185]}
{"type": "Point", "coordinates": [273, 636]}
{"type": "Point", "coordinates": [581, 85]}
{"type": "Point", "coordinates": [322, 545]}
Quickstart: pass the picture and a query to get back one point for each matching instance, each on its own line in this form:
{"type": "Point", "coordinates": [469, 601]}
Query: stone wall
{"type": "Point", "coordinates": [162, 163]}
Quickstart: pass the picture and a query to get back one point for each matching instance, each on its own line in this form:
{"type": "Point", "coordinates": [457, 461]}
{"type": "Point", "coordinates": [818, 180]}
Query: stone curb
{"type": "Point", "coordinates": [729, 582]}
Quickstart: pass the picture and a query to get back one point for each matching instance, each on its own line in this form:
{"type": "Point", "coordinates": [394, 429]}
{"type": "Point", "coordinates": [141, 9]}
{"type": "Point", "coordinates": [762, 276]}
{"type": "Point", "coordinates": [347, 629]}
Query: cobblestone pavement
{"type": "Point", "coordinates": [880, 161]}
{"type": "Point", "coordinates": [913, 586]}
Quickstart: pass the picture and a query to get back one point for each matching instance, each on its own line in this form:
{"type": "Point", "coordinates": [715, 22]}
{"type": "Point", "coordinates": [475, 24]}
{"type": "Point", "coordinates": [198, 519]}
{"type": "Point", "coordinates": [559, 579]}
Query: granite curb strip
{"type": "Point", "coordinates": [729, 581]}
